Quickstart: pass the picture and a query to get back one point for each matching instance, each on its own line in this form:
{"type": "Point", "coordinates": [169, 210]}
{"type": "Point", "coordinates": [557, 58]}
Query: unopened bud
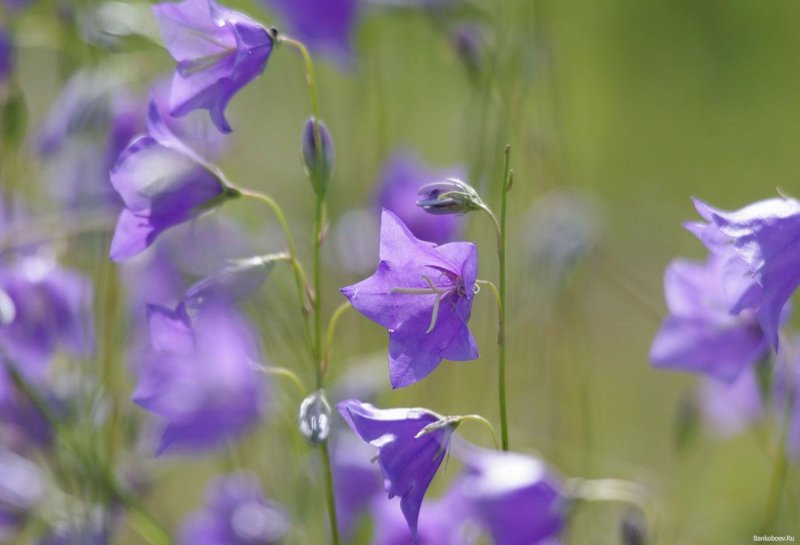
{"type": "Point", "coordinates": [318, 162]}
{"type": "Point", "coordinates": [314, 418]}
{"type": "Point", "coordinates": [451, 196]}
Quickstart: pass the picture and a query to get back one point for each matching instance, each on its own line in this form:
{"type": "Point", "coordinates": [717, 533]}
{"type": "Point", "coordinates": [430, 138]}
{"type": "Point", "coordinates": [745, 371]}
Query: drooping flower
{"type": "Point", "coordinates": [201, 379]}
{"type": "Point", "coordinates": [421, 293]}
{"type": "Point", "coordinates": [21, 490]}
{"type": "Point", "coordinates": [236, 513]}
{"type": "Point", "coordinates": [218, 51]}
{"type": "Point", "coordinates": [163, 183]}
{"type": "Point", "coordinates": [325, 26]}
{"type": "Point", "coordinates": [786, 395]}
{"type": "Point", "coordinates": [43, 308]}
{"type": "Point", "coordinates": [400, 180]}
{"type": "Point", "coordinates": [761, 242]}
{"type": "Point", "coordinates": [699, 334]}
{"type": "Point", "coordinates": [516, 498]}
{"type": "Point", "coordinates": [408, 458]}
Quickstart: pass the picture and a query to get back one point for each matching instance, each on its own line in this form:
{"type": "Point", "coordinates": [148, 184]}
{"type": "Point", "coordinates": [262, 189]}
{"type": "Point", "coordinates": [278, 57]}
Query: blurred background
{"type": "Point", "coordinates": [616, 113]}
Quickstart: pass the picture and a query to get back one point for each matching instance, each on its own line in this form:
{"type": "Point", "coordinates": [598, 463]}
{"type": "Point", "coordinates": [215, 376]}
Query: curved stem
{"type": "Point", "coordinates": [332, 323]}
{"type": "Point", "coordinates": [491, 287]}
{"type": "Point", "coordinates": [301, 283]}
{"type": "Point", "coordinates": [482, 420]}
{"type": "Point", "coordinates": [285, 373]}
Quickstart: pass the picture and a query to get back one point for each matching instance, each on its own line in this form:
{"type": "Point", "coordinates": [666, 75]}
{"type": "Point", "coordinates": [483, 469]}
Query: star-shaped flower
{"type": "Point", "coordinates": [422, 293]}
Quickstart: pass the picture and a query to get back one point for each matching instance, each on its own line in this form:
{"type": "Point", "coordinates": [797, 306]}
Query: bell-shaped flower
{"type": "Point", "coordinates": [421, 293]}
{"type": "Point", "coordinates": [408, 456]}
{"type": "Point", "coordinates": [699, 334]}
{"type": "Point", "coordinates": [236, 513]}
{"type": "Point", "coordinates": [399, 182]}
{"type": "Point", "coordinates": [762, 242]}
{"type": "Point", "coordinates": [202, 378]}
{"type": "Point", "coordinates": [517, 499]}
{"type": "Point", "coordinates": [162, 183]}
{"type": "Point", "coordinates": [218, 51]}
{"type": "Point", "coordinates": [325, 26]}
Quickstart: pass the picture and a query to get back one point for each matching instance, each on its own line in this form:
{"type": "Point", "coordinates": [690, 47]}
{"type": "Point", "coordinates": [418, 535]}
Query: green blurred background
{"type": "Point", "coordinates": [641, 104]}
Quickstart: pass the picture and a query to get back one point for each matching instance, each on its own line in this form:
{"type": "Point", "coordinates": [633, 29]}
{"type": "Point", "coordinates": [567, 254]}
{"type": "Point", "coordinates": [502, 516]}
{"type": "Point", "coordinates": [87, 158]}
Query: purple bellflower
{"type": "Point", "coordinates": [201, 379]}
{"type": "Point", "coordinates": [236, 513]}
{"type": "Point", "coordinates": [408, 458]}
{"type": "Point", "coordinates": [43, 308]}
{"type": "Point", "coordinates": [218, 51]}
{"type": "Point", "coordinates": [699, 334]}
{"type": "Point", "coordinates": [760, 243]}
{"type": "Point", "coordinates": [163, 183]}
{"type": "Point", "coordinates": [786, 390]}
{"type": "Point", "coordinates": [515, 498]}
{"type": "Point", "coordinates": [325, 26]}
{"type": "Point", "coordinates": [421, 293]}
{"type": "Point", "coordinates": [402, 177]}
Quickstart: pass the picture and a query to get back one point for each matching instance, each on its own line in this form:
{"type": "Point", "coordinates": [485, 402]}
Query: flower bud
{"type": "Point", "coordinates": [314, 418]}
{"type": "Point", "coordinates": [451, 196]}
{"type": "Point", "coordinates": [318, 162]}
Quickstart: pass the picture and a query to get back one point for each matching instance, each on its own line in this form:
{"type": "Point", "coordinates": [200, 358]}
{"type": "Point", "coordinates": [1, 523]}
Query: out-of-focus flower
{"type": "Point", "coordinates": [78, 523]}
{"type": "Point", "coordinates": [357, 482]}
{"type": "Point", "coordinates": [699, 334]}
{"type": "Point", "coordinates": [324, 26]}
{"type": "Point", "coordinates": [516, 498]}
{"type": "Point", "coordinates": [43, 308]}
{"type": "Point", "coordinates": [235, 282]}
{"type": "Point", "coordinates": [320, 174]}
{"type": "Point", "coordinates": [86, 128]}
{"type": "Point", "coordinates": [236, 513]}
{"type": "Point", "coordinates": [760, 243]}
{"type": "Point", "coordinates": [400, 180]}
{"type": "Point", "coordinates": [202, 379]}
{"type": "Point", "coordinates": [22, 488]}
{"type": "Point", "coordinates": [23, 425]}
{"type": "Point", "coordinates": [469, 41]}
{"type": "Point", "coordinates": [408, 458]}
{"type": "Point", "coordinates": [218, 51]}
{"type": "Point", "coordinates": [731, 408]}
{"type": "Point", "coordinates": [421, 293]}
{"type": "Point", "coordinates": [163, 183]}
{"type": "Point", "coordinates": [561, 230]}
{"type": "Point", "coordinates": [441, 523]}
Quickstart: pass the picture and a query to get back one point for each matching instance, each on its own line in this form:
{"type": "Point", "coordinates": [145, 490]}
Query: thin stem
{"type": "Point", "coordinates": [301, 283]}
{"type": "Point", "coordinates": [326, 462]}
{"type": "Point", "coordinates": [482, 420]}
{"type": "Point", "coordinates": [285, 373]}
{"type": "Point", "coordinates": [779, 471]}
{"type": "Point", "coordinates": [501, 295]}
{"type": "Point", "coordinates": [317, 300]}
{"type": "Point", "coordinates": [491, 287]}
{"type": "Point", "coordinates": [332, 323]}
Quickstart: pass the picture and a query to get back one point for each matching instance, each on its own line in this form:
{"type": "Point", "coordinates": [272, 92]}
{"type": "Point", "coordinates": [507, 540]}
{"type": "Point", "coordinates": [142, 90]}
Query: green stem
{"type": "Point", "coordinates": [482, 420]}
{"type": "Point", "coordinates": [286, 373]}
{"type": "Point", "coordinates": [318, 347]}
{"type": "Point", "coordinates": [500, 227]}
{"type": "Point", "coordinates": [326, 462]}
{"type": "Point", "coordinates": [332, 323]}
